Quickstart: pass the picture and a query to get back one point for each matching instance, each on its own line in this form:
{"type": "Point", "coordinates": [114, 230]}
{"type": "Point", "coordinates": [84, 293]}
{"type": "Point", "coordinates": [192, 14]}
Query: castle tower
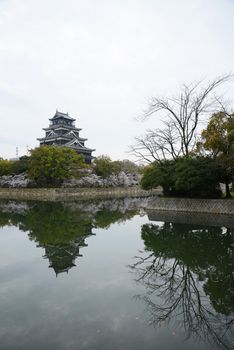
{"type": "Point", "coordinates": [63, 132]}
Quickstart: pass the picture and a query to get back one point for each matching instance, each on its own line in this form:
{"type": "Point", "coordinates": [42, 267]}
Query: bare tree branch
{"type": "Point", "coordinates": [181, 116]}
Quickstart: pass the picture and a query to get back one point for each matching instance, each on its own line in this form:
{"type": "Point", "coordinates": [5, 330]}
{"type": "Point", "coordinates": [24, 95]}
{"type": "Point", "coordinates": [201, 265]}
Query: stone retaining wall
{"type": "Point", "coordinates": [54, 194]}
{"type": "Point", "coordinates": [213, 206]}
{"type": "Point", "coordinates": [199, 219]}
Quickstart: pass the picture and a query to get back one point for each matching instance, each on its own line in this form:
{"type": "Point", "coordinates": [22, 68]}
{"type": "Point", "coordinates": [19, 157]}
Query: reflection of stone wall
{"type": "Point", "coordinates": [206, 219]}
{"type": "Point", "coordinates": [121, 205]}
{"type": "Point", "coordinates": [213, 206]}
{"type": "Point", "coordinates": [13, 207]}
{"type": "Point", "coordinates": [112, 204]}
{"type": "Point", "coordinates": [53, 194]}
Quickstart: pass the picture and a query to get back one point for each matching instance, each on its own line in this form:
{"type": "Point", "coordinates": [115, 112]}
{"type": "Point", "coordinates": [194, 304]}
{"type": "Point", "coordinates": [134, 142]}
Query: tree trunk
{"type": "Point", "coordinates": [228, 194]}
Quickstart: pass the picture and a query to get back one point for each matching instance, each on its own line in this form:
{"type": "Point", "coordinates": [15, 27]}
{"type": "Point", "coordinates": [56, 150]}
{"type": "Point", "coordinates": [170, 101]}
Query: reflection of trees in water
{"type": "Point", "coordinates": [62, 228]}
{"type": "Point", "coordinates": [181, 267]}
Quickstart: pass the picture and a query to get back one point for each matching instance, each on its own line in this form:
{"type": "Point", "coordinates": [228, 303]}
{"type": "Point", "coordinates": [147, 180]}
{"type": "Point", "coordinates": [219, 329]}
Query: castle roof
{"type": "Point", "coordinates": [62, 127]}
{"type": "Point", "coordinates": [62, 115]}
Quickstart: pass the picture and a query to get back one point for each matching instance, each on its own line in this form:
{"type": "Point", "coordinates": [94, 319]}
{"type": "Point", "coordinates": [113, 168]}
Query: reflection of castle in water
{"type": "Point", "coordinates": [61, 229]}
{"type": "Point", "coordinates": [62, 258]}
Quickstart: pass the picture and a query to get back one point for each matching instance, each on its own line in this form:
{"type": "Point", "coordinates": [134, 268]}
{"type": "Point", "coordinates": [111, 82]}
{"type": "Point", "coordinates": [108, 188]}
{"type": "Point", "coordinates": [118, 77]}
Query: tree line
{"type": "Point", "coordinates": [49, 166]}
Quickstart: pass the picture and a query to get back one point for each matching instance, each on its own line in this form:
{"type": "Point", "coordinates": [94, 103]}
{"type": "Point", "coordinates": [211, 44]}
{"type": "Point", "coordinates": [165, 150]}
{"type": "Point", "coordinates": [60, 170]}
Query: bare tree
{"type": "Point", "coordinates": [181, 115]}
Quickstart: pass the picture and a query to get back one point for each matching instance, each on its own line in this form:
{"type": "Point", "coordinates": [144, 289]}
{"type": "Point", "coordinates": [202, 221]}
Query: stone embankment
{"type": "Point", "coordinates": [63, 194]}
{"type": "Point", "coordinates": [212, 206]}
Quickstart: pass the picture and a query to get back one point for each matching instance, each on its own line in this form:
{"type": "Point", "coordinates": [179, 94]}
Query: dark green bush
{"type": "Point", "coordinates": [185, 177]}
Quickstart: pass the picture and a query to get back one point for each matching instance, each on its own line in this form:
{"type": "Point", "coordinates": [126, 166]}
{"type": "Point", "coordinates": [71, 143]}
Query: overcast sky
{"type": "Point", "coordinates": [100, 60]}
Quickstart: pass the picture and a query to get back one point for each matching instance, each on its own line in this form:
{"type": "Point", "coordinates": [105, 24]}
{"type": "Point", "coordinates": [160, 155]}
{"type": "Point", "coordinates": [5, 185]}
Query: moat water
{"type": "Point", "coordinates": [108, 275]}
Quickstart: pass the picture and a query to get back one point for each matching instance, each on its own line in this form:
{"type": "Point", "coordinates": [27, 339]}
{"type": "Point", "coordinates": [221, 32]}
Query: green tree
{"type": "Point", "coordinates": [49, 165]}
{"type": "Point", "coordinates": [218, 140]}
{"type": "Point", "coordinates": [21, 165]}
{"type": "Point", "coordinates": [127, 166]}
{"type": "Point", "coordinates": [103, 166]}
{"type": "Point", "coordinates": [10, 167]}
{"type": "Point", "coordinates": [197, 177]}
{"type": "Point", "coordinates": [187, 177]}
{"type": "Point", "coordinates": [5, 167]}
{"type": "Point", "coordinates": [159, 174]}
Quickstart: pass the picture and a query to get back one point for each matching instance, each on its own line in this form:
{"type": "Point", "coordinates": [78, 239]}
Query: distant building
{"type": "Point", "coordinates": [63, 132]}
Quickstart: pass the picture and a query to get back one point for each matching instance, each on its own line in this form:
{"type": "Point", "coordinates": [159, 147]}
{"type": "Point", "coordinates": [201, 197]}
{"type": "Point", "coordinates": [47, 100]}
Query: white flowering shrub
{"type": "Point", "coordinates": [16, 181]}
{"type": "Point", "coordinates": [115, 180]}
{"type": "Point", "coordinates": [91, 181]}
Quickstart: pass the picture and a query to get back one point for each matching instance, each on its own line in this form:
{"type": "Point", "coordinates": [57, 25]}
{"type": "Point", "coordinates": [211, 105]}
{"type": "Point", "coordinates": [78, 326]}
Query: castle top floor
{"type": "Point", "coordinates": [62, 119]}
